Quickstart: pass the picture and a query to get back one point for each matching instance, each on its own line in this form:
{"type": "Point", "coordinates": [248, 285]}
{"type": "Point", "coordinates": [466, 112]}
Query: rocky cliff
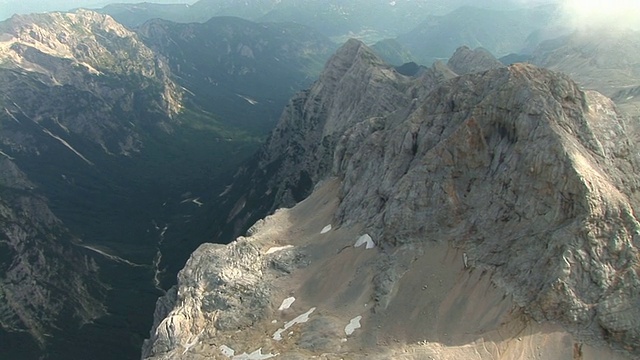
{"type": "Point", "coordinates": [488, 215]}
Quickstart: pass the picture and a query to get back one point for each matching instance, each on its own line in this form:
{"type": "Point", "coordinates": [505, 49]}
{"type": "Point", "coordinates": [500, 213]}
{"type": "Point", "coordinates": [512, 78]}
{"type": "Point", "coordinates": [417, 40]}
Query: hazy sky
{"type": "Point", "coordinates": [602, 13]}
{"type": "Point", "coordinates": [575, 13]}
{"type": "Point", "coordinates": [10, 7]}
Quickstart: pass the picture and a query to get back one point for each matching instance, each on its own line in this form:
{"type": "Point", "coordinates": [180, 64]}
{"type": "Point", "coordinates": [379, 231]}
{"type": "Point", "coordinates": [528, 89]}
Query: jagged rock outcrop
{"type": "Point", "coordinates": [355, 85]}
{"type": "Point", "coordinates": [467, 61]}
{"type": "Point", "coordinates": [529, 173]}
{"type": "Point", "coordinates": [511, 192]}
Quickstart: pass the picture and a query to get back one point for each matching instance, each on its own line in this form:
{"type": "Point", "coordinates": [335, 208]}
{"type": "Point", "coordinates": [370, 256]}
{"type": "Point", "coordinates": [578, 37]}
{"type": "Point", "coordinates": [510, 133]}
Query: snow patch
{"type": "Point", "coordinates": [248, 99]}
{"type": "Point", "coordinates": [286, 303]}
{"type": "Point", "coordinates": [278, 248]}
{"type": "Point", "coordinates": [226, 190]}
{"type": "Point", "coordinates": [298, 320]}
{"type": "Point", "coordinates": [227, 351]}
{"type": "Point", "coordinates": [112, 257]}
{"type": "Point", "coordinates": [192, 200]}
{"type": "Point", "coordinates": [326, 229]}
{"type": "Point", "coordinates": [353, 325]}
{"type": "Point", "coordinates": [5, 155]}
{"type": "Point", "coordinates": [365, 240]}
{"type": "Point", "coordinates": [11, 116]}
{"type": "Point", "coordinates": [67, 145]}
{"type": "Point", "coordinates": [256, 355]}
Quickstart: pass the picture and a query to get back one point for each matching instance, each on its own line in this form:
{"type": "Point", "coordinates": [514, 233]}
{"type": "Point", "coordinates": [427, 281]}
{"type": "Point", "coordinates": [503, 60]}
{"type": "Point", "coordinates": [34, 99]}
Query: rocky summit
{"type": "Point", "coordinates": [486, 215]}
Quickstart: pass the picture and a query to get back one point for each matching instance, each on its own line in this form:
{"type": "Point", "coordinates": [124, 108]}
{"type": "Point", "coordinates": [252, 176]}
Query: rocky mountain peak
{"type": "Point", "coordinates": [355, 85]}
{"type": "Point", "coordinates": [512, 183]}
{"type": "Point", "coordinates": [466, 61]}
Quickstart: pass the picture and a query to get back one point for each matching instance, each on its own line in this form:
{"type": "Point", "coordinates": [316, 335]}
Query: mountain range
{"type": "Point", "coordinates": [112, 141]}
{"type": "Point", "coordinates": [449, 215]}
{"type": "Point", "coordinates": [129, 142]}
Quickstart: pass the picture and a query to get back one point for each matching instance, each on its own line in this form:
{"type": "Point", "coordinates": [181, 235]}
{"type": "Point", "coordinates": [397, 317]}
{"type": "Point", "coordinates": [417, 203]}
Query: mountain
{"type": "Point", "coordinates": [467, 61]}
{"type": "Point", "coordinates": [88, 52]}
{"type": "Point", "coordinates": [124, 145]}
{"type": "Point", "coordinates": [500, 31]}
{"type": "Point", "coordinates": [293, 159]}
{"type": "Point", "coordinates": [134, 15]}
{"type": "Point", "coordinates": [602, 60]}
{"type": "Point", "coordinates": [333, 18]}
{"type": "Point", "coordinates": [487, 215]}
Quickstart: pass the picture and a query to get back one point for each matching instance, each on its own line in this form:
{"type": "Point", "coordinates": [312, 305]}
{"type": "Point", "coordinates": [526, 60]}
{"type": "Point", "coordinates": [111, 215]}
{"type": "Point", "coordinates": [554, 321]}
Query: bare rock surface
{"type": "Point", "coordinates": [502, 210]}
{"type": "Point", "coordinates": [467, 61]}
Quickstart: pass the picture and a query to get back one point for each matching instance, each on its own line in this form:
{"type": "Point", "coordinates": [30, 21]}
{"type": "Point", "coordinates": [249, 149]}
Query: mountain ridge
{"type": "Point", "coordinates": [496, 173]}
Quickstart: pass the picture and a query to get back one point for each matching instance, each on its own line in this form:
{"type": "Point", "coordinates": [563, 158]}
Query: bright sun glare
{"type": "Point", "coordinates": [619, 14]}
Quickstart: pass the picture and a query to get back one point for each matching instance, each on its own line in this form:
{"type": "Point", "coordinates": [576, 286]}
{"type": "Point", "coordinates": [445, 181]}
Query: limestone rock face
{"type": "Point", "coordinates": [512, 186]}
{"type": "Point", "coordinates": [466, 61]}
{"type": "Point", "coordinates": [527, 173]}
{"type": "Point", "coordinates": [355, 85]}
{"type": "Point", "coordinates": [222, 289]}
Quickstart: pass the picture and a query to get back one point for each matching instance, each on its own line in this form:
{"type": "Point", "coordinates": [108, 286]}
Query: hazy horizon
{"type": "Point", "coordinates": [572, 14]}
{"type": "Point", "coordinates": [10, 7]}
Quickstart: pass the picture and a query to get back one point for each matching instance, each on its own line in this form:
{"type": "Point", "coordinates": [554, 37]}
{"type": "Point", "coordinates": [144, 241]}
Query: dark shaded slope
{"type": "Point", "coordinates": [243, 72]}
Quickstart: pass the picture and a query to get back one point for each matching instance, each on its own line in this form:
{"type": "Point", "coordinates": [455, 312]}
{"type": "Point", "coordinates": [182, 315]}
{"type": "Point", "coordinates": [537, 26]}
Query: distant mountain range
{"type": "Point", "coordinates": [367, 20]}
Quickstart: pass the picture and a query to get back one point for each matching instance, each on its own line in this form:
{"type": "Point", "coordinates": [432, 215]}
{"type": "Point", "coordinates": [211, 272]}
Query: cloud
{"type": "Point", "coordinates": [611, 14]}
